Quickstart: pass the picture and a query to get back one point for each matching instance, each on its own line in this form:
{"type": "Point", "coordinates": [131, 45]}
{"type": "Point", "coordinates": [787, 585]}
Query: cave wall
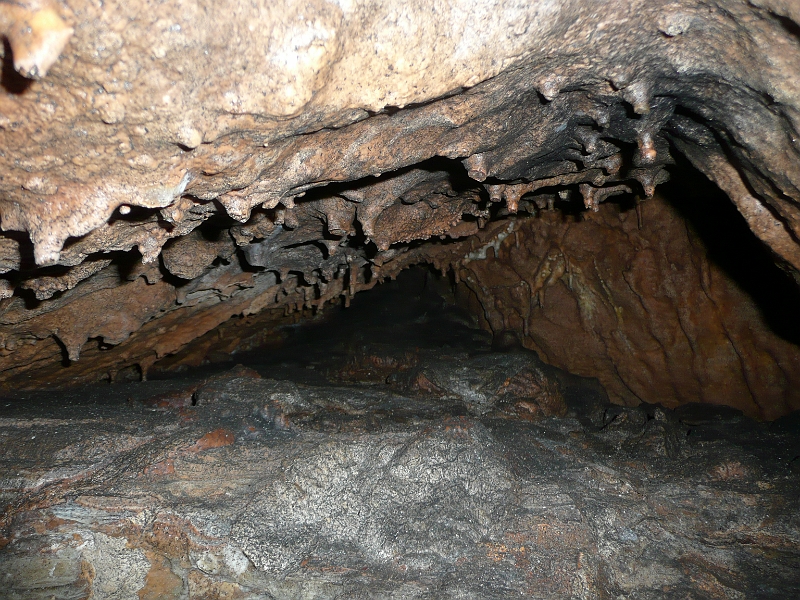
{"type": "Point", "coordinates": [631, 295]}
{"type": "Point", "coordinates": [169, 165]}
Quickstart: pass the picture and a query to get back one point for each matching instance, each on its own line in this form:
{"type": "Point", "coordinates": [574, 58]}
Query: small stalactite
{"type": "Point", "coordinates": [639, 217]}
{"type": "Point", "coordinates": [647, 154]}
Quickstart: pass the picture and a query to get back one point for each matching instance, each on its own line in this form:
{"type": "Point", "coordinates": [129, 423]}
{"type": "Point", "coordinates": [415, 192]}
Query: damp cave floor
{"type": "Point", "coordinates": [389, 452]}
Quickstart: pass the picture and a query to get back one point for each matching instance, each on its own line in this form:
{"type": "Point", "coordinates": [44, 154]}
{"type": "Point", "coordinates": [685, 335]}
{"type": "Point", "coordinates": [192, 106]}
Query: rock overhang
{"type": "Point", "coordinates": [285, 155]}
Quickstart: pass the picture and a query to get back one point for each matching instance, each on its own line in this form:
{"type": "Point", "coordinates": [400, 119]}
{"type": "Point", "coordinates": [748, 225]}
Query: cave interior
{"type": "Point", "coordinates": [473, 300]}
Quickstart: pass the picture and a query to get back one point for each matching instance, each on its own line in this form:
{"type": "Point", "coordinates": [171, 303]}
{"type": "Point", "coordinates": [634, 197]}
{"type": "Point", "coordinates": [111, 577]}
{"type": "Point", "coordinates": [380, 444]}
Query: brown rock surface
{"type": "Point", "coordinates": [228, 159]}
{"type": "Point", "coordinates": [646, 310]}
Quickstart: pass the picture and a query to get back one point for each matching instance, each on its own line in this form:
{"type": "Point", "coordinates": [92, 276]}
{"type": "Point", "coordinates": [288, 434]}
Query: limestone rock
{"type": "Point", "coordinates": [285, 155]}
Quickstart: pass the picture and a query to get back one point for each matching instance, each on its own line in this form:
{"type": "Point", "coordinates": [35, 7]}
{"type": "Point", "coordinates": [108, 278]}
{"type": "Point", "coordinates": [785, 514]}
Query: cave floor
{"type": "Point", "coordinates": [402, 460]}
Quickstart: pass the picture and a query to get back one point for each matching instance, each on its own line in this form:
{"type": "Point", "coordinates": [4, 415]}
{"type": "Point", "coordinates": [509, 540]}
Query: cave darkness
{"type": "Point", "coordinates": [370, 300]}
{"type": "Point", "coordinates": [721, 232]}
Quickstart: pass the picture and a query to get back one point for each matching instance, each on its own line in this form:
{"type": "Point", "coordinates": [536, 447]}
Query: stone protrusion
{"type": "Point", "coordinates": [36, 34]}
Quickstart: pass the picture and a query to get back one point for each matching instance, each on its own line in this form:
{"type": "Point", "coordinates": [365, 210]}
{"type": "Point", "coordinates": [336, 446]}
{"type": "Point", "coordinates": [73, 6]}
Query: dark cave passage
{"type": "Point", "coordinates": [732, 246]}
{"type": "Point", "coordinates": [392, 445]}
{"type": "Point", "coordinates": [421, 304]}
{"type": "Point", "coordinates": [695, 227]}
{"type": "Point", "coordinates": [458, 300]}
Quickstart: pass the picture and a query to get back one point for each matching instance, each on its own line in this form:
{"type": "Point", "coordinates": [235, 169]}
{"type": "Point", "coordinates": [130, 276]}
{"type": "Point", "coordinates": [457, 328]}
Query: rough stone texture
{"type": "Point", "coordinates": [286, 154]}
{"type": "Point", "coordinates": [243, 487]}
{"type": "Point", "coordinates": [165, 166]}
{"type": "Point", "coordinates": [643, 308]}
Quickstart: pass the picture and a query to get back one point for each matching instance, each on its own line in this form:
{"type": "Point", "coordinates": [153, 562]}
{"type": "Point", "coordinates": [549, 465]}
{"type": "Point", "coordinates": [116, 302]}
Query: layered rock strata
{"type": "Point", "coordinates": [183, 163]}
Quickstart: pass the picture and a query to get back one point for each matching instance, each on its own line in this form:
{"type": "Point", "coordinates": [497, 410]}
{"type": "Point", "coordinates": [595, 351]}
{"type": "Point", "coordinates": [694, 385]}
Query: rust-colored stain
{"type": "Point", "coordinates": [164, 467]}
{"type": "Point", "coordinates": [458, 426]}
{"type": "Point", "coordinates": [729, 470]}
{"type": "Point", "coordinates": [213, 439]}
{"type": "Point", "coordinates": [160, 582]}
{"type": "Point", "coordinates": [176, 399]}
{"type": "Point", "coordinates": [421, 383]}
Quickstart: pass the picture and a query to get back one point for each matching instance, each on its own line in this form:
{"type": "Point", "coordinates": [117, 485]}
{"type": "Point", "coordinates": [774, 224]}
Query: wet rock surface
{"type": "Point", "coordinates": [270, 480]}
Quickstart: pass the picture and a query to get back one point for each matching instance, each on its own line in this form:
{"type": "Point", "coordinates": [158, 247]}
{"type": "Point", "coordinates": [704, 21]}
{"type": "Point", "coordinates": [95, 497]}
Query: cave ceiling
{"type": "Point", "coordinates": [165, 163]}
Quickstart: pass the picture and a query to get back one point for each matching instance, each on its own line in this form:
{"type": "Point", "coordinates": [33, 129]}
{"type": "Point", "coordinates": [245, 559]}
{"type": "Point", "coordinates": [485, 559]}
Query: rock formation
{"type": "Point", "coordinates": [168, 165]}
{"type": "Point", "coordinates": [634, 298]}
{"type": "Point", "coordinates": [471, 473]}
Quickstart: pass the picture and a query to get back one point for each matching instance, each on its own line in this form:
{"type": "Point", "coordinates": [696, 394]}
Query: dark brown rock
{"type": "Point", "coordinates": [646, 310]}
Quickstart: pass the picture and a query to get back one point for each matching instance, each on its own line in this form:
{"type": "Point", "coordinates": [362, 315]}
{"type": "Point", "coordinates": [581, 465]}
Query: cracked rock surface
{"type": "Point", "coordinates": [425, 485]}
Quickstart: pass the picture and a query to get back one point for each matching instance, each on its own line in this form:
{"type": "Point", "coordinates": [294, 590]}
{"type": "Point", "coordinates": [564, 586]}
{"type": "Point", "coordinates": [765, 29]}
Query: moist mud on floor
{"type": "Point", "coordinates": [391, 452]}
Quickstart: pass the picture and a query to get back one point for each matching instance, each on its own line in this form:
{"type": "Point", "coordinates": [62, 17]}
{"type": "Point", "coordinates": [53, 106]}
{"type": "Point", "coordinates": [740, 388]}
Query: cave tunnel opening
{"type": "Point", "coordinates": [732, 245]}
{"type": "Point", "coordinates": [435, 301]}
{"type": "Point", "coordinates": [403, 309]}
{"type": "Point", "coordinates": [418, 424]}
{"type": "Point", "coordinates": [750, 292]}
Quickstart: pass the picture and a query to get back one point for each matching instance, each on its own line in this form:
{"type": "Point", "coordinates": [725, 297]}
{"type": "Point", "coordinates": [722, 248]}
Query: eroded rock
{"type": "Point", "coordinates": [284, 156]}
{"type": "Point", "coordinates": [278, 488]}
{"type": "Point", "coordinates": [632, 296]}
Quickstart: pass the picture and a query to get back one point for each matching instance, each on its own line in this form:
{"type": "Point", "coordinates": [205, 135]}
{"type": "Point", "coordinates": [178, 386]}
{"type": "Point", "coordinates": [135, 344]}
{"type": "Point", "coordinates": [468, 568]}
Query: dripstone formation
{"type": "Point", "coordinates": [166, 166]}
{"type": "Point", "coordinates": [587, 218]}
